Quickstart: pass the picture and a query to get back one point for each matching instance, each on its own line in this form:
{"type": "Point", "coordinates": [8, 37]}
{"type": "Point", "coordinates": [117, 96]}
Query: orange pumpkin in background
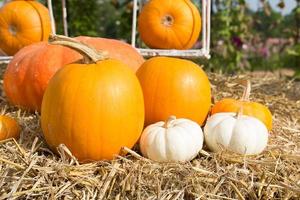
{"type": "Point", "coordinates": [248, 107]}
{"type": "Point", "coordinates": [116, 49]}
{"type": "Point", "coordinates": [9, 128]}
{"type": "Point", "coordinates": [94, 108]}
{"type": "Point", "coordinates": [166, 24]}
{"type": "Point", "coordinates": [28, 73]}
{"type": "Point", "coordinates": [173, 86]}
{"type": "Point", "coordinates": [23, 23]}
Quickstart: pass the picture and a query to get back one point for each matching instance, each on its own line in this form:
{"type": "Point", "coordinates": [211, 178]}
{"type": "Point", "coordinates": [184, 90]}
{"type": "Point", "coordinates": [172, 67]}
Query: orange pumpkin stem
{"type": "Point", "coordinates": [169, 121]}
{"type": "Point", "coordinates": [247, 90]}
{"type": "Point", "coordinates": [90, 55]}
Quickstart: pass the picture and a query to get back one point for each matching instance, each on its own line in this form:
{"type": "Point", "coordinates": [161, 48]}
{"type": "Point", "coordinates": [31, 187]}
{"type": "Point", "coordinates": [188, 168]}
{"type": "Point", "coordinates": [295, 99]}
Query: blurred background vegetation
{"type": "Point", "coordinates": [242, 39]}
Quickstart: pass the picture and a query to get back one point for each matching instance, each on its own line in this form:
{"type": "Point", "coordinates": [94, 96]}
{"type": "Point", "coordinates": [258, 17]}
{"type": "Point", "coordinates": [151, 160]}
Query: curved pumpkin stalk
{"type": "Point", "coordinates": [89, 54]}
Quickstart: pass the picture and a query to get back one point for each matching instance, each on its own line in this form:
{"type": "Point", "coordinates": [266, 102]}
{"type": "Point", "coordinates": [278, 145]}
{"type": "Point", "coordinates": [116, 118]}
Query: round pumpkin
{"type": "Point", "coordinates": [172, 24]}
{"type": "Point", "coordinates": [94, 108]}
{"type": "Point", "coordinates": [236, 132]}
{"type": "Point", "coordinates": [173, 86]}
{"type": "Point", "coordinates": [23, 23]}
{"type": "Point", "coordinates": [116, 49]}
{"type": "Point", "coordinates": [9, 128]}
{"type": "Point", "coordinates": [28, 73]}
{"type": "Point", "coordinates": [172, 140]}
{"type": "Point", "coordinates": [250, 108]}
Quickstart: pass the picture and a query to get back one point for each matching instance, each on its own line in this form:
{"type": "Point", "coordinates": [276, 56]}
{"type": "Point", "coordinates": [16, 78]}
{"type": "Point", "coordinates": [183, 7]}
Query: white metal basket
{"type": "Point", "coordinates": [193, 53]}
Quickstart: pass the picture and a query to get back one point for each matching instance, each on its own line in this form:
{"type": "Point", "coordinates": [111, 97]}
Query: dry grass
{"type": "Point", "coordinates": [28, 170]}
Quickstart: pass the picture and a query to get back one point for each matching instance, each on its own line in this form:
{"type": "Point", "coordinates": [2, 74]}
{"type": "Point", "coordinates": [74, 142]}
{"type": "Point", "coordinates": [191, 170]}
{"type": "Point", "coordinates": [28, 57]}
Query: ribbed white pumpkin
{"type": "Point", "coordinates": [238, 133]}
{"type": "Point", "coordinates": [173, 140]}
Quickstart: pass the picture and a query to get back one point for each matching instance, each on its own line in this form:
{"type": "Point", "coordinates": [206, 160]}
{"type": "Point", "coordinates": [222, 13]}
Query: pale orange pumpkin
{"type": "Point", "coordinates": [27, 75]}
{"type": "Point", "coordinates": [249, 108]}
{"type": "Point", "coordinates": [166, 24]}
{"type": "Point", "coordinates": [173, 86]}
{"type": "Point", "coordinates": [94, 108]}
{"type": "Point", "coordinates": [116, 49]}
{"type": "Point", "coordinates": [23, 23]}
{"type": "Point", "coordinates": [9, 128]}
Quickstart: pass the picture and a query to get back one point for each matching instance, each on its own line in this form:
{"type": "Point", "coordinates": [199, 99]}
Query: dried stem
{"type": "Point", "coordinates": [169, 121]}
{"type": "Point", "coordinates": [247, 90]}
{"type": "Point", "coordinates": [90, 54]}
{"type": "Point", "coordinates": [239, 113]}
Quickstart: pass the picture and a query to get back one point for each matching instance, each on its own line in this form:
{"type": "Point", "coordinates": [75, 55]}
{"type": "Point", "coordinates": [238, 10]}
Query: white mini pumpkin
{"type": "Point", "coordinates": [238, 133]}
{"type": "Point", "coordinates": [173, 140]}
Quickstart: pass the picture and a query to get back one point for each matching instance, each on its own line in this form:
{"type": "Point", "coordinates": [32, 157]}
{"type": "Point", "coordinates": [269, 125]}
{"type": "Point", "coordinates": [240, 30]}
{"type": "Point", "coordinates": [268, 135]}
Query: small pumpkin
{"type": "Point", "coordinates": [250, 108]}
{"type": "Point", "coordinates": [168, 24]}
{"type": "Point", "coordinates": [9, 128]}
{"type": "Point", "coordinates": [23, 23]}
{"type": "Point", "coordinates": [116, 49]}
{"type": "Point", "coordinates": [95, 108]}
{"type": "Point", "coordinates": [236, 132]}
{"type": "Point", "coordinates": [172, 140]}
{"type": "Point", "coordinates": [28, 73]}
{"type": "Point", "coordinates": [173, 86]}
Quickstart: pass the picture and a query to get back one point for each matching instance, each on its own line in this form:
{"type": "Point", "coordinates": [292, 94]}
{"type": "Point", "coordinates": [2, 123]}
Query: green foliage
{"type": "Point", "coordinates": [102, 18]}
{"type": "Point", "coordinates": [268, 24]}
{"type": "Point", "coordinates": [229, 31]}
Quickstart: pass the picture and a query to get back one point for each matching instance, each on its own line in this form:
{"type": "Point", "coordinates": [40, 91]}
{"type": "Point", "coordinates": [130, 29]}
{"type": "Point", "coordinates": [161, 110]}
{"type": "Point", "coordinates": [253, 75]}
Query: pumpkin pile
{"type": "Point", "coordinates": [97, 95]}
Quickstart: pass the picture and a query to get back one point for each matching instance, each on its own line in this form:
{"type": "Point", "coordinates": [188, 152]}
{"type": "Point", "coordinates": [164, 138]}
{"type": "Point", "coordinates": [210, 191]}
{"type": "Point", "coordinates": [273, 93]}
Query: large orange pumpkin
{"type": "Point", "coordinates": [28, 73]}
{"type": "Point", "coordinates": [9, 128]}
{"type": "Point", "coordinates": [94, 108]}
{"type": "Point", "coordinates": [116, 49]}
{"type": "Point", "coordinates": [173, 86]}
{"type": "Point", "coordinates": [169, 24]}
{"type": "Point", "coordinates": [23, 23]}
{"type": "Point", "coordinates": [249, 108]}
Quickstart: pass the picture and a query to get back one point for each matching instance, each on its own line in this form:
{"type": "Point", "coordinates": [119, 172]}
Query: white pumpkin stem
{"type": "Point", "coordinates": [247, 90]}
{"type": "Point", "coordinates": [169, 121]}
{"type": "Point", "coordinates": [90, 55]}
{"type": "Point", "coordinates": [239, 113]}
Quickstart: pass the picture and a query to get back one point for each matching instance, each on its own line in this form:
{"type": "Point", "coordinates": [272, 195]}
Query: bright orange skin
{"type": "Point", "coordinates": [93, 109]}
{"type": "Point", "coordinates": [181, 33]}
{"type": "Point", "coordinates": [116, 49]}
{"type": "Point", "coordinates": [28, 73]}
{"type": "Point", "coordinates": [173, 86]}
{"type": "Point", "coordinates": [9, 128]}
{"type": "Point", "coordinates": [249, 108]}
{"type": "Point", "coordinates": [23, 23]}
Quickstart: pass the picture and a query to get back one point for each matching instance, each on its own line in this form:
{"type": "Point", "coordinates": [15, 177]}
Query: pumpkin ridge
{"type": "Point", "coordinates": [72, 121]}
{"type": "Point", "coordinates": [4, 127]}
{"type": "Point", "coordinates": [26, 99]}
{"type": "Point", "coordinates": [217, 126]}
{"type": "Point", "coordinates": [156, 92]}
{"type": "Point", "coordinates": [41, 19]}
{"type": "Point", "coordinates": [177, 38]}
{"type": "Point", "coordinates": [52, 111]}
{"type": "Point", "coordinates": [188, 2]}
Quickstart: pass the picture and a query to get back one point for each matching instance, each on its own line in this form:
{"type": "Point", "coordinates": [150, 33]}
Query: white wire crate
{"type": "Point", "coordinates": [204, 52]}
{"type": "Point", "coordinates": [191, 53]}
